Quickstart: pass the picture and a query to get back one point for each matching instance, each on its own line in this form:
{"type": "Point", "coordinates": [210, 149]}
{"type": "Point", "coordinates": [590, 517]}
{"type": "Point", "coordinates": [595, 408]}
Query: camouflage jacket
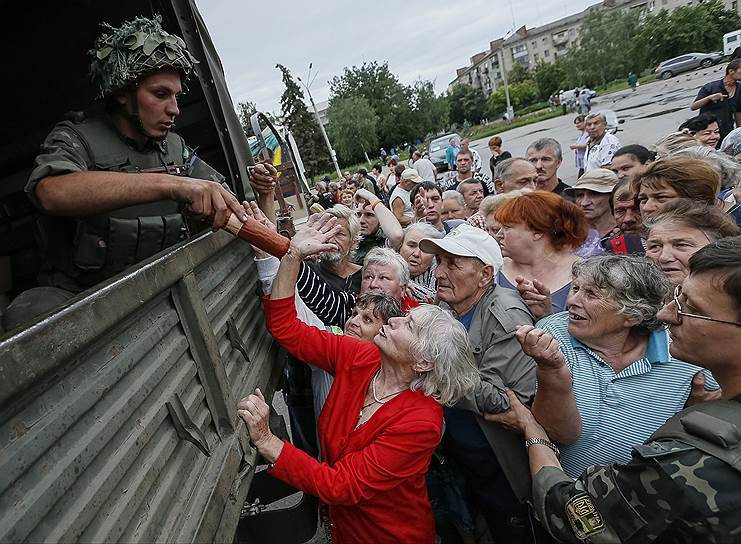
{"type": "Point", "coordinates": [670, 492]}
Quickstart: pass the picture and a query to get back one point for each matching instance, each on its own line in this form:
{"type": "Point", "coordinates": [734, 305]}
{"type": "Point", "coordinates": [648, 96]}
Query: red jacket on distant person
{"type": "Point", "coordinates": [372, 477]}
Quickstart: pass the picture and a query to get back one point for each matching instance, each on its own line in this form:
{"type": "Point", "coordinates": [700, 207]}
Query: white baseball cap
{"type": "Point", "coordinates": [467, 241]}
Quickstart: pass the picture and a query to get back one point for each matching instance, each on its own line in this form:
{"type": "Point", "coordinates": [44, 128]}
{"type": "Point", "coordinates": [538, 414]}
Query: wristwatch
{"type": "Point", "coordinates": [543, 442]}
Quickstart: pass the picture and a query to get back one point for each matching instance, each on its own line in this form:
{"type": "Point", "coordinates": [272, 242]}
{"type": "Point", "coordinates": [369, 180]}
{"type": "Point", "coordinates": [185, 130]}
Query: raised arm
{"type": "Point", "coordinates": [386, 218]}
{"type": "Point", "coordinates": [555, 405]}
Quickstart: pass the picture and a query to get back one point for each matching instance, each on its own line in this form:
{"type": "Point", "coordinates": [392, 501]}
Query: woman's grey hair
{"type": "Point", "coordinates": [635, 285]}
{"type": "Point", "coordinates": [353, 222]}
{"type": "Point", "coordinates": [451, 193]}
{"type": "Point", "coordinates": [729, 169]}
{"type": "Point", "coordinates": [427, 230]}
{"type": "Point", "coordinates": [731, 144]}
{"type": "Point", "coordinates": [674, 141]}
{"type": "Point", "coordinates": [384, 256]}
{"type": "Point", "coordinates": [442, 340]}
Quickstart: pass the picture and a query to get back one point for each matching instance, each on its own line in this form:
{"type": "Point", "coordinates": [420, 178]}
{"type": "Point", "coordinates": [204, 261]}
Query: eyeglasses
{"type": "Point", "coordinates": [677, 294]}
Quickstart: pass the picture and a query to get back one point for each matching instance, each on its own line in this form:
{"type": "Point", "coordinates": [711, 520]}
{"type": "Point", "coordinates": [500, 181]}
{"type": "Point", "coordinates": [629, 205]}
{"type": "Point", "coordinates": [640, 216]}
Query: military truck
{"type": "Point", "coordinates": [117, 411]}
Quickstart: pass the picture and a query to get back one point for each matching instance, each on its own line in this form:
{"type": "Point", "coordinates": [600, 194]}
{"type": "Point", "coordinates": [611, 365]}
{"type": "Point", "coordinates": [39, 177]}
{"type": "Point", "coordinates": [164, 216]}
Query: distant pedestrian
{"type": "Point", "coordinates": [424, 167]}
{"type": "Point", "coordinates": [580, 146]}
{"type": "Point", "coordinates": [722, 98]}
{"type": "Point", "coordinates": [383, 155]}
{"type": "Point", "coordinates": [451, 152]}
{"type": "Point", "coordinates": [585, 105]}
{"type": "Point", "coordinates": [632, 81]}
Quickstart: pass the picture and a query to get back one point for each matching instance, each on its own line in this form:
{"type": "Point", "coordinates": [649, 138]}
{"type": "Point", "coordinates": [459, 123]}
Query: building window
{"type": "Point", "coordinates": [664, 2]}
{"type": "Point", "coordinates": [544, 39]}
{"type": "Point", "coordinates": [734, 4]}
{"type": "Point", "coordinates": [535, 57]}
{"type": "Point", "coordinates": [534, 43]}
{"type": "Point", "coordinates": [547, 53]}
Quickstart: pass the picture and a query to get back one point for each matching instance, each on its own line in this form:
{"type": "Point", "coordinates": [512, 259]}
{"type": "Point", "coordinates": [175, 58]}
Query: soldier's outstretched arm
{"type": "Point", "coordinates": [95, 192]}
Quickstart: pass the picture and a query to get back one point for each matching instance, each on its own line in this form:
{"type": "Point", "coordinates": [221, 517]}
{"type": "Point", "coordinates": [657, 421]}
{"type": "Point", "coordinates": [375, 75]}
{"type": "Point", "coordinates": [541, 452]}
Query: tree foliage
{"type": "Point", "coordinates": [686, 29]}
{"type": "Point", "coordinates": [352, 128]}
{"type": "Point", "coordinates": [550, 77]}
{"type": "Point", "coordinates": [390, 100]}
{"type": "Point", "coordinates": [430, 113]}
{"type": "Point", "coordinates": [521, 95]}
{"type": "Point", "coordinates": [467, 104]}
{"type": "Point", "coordinates": [296, 117]}
{"type": "Point", "coordinates": [518, 74]}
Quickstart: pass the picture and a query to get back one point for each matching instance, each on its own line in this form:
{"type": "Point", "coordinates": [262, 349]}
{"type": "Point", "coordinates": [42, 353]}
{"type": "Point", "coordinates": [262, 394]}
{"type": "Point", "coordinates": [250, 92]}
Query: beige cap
{"type": "Point", "coordinates": [410, 174]}
{"type": "Point", "coordinates": [599, 180]}
{"type": "Point", "coordinates": [466, 241]}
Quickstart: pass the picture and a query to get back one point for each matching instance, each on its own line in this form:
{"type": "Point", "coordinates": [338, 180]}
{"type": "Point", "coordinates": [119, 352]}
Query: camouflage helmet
{"type": "Point", "coordinates": [122, 55]}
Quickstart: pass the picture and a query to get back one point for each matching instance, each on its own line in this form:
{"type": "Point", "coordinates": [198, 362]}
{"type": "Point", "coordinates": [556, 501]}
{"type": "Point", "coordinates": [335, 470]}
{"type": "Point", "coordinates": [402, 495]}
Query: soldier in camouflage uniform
{"type": "Point", "coordinates": [112, 188]}
{"type": "Point", "coordinates": [684, 484]}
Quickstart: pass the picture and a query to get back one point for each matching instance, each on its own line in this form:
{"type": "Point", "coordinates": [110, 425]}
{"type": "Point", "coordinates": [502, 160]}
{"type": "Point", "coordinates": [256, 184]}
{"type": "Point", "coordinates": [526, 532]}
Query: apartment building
{"type": "Point", "coordinates": [529, 46]}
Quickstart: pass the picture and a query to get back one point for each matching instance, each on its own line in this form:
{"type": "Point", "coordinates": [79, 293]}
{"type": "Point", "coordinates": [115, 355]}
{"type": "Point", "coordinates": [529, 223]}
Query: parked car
{"type": "Point", "coordinates": [437, 149]}
{"type": "Point", "coordinates": [687, 62]}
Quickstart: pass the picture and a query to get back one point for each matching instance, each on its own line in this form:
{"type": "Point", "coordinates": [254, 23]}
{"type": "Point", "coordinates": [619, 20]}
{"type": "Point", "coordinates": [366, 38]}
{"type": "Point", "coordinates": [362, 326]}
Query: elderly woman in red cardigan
{"type": "Point", "coordinates": [383, 417]}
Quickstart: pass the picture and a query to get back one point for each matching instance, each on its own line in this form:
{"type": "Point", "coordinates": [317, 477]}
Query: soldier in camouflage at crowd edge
{"type": "Point", "coordinates": [684, 484]}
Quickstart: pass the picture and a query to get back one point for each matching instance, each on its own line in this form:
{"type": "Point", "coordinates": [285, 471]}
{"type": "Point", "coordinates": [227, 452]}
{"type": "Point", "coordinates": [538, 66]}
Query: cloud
{"type": "Point", "coordinates": [428, 40]}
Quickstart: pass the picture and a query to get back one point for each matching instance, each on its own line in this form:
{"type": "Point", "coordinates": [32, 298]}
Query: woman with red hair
{"type": "Point", "coordinates": [540, 231]}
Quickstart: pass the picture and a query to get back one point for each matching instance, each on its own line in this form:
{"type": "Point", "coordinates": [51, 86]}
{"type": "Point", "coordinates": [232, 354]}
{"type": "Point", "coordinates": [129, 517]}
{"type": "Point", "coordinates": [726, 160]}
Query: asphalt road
{"type": "Point", "coordinates": [649, 113]}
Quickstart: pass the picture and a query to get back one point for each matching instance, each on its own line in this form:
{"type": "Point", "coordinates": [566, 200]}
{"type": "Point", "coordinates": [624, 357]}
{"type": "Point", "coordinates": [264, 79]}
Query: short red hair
{"type": "Point", "coordinates": [547, 213]}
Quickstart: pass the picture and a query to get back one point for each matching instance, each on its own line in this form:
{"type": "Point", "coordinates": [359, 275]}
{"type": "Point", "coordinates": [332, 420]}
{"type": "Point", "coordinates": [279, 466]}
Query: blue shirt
{"type": "Point", "coordinates": [619, 411]}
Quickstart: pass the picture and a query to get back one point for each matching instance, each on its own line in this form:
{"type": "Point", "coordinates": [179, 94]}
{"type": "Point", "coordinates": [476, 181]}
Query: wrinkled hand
{"type": "Point", "coordinates": [518, 418]}
{"type": "Point", "coordinates": [263, 177]}
{"type": "Point", "coordinates": [412, 291]}
{"type": "Point", "coordinates": [207, 199]}
{"type": "Point", "coordinates": [541, 346]}
{"type": "Point", "coordinates": [698, 393]}
{"type": "Point", "coordinates": [253, 211]}
{"type": "Point", "coordinates": [256, 414]}
{"type": "Point", "coordinates": [536, 295]}
{"type": "Point", "coordinates": [314, 237]}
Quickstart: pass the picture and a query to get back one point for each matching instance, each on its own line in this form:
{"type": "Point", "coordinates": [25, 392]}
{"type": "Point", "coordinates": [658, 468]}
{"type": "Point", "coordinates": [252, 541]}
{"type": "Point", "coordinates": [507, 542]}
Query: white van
{"type": "Point", "coordinates": [731, 41]}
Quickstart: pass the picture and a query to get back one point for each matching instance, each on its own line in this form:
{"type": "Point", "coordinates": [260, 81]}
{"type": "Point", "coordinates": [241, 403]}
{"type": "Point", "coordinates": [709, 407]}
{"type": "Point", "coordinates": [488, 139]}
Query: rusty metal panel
{"type": "Point", "coordinates": [89, 450]}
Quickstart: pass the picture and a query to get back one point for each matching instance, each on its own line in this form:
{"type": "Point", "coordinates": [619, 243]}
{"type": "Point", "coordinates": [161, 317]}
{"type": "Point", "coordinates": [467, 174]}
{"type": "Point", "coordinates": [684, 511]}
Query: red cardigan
{"type": "Point", "coordinates": [373, 477]}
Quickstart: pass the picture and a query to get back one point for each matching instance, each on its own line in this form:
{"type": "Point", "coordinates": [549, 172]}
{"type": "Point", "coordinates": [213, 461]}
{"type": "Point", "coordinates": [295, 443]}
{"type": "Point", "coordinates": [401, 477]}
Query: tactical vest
{"type": "Point", "coordinates": [106, 244]}
{"type": "Point", "coordinates": [713, 427]}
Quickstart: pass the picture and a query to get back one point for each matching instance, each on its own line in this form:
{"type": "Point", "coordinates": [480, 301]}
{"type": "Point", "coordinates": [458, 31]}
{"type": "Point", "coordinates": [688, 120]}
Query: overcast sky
{"type": "Point", "coordinates": [427, 40]}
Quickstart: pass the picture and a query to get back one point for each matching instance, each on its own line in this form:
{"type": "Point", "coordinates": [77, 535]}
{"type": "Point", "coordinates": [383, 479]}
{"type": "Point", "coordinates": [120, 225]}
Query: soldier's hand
{"type": "Point", "coordinates": [209, 200]}
{"type": "Point", "coordinates": [263, 177]}
{"type": "Point", "coordinates": [698, 392]}
{"type": "Point", "coordinates": [541, 346]}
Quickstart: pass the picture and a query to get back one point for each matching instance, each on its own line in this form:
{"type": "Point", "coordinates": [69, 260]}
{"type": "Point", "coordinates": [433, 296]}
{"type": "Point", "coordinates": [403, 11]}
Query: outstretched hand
{"type": "Point", "coordinates": [541, 346]}
{"type": "Point", "coordinates": [315, 236]}
{"type": "Point", "coordinates": [536, 295]}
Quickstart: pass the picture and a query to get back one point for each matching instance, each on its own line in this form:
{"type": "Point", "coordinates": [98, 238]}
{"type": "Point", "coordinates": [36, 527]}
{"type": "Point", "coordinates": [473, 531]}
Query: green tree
{"type": "Point", "coordinates": [390, 100]}
{"type": "Point", "coordinates": [352, 128]}
{"type": "Point", "coordinates": [430, 112]}
{"type": "Point", "coordinates": [467, 104]}
{"type": "Point", "coordinates": [518, 74]}
{"type": "Point", "coordinates": [296, 117]}
{"type": "Point", "coordinates": [521, 95]}
{"type": "Point", "coordinates": [550, 77]}
{"type": "Point", "coordinates": [688, 28]}
{"type": "Point", "coordinates": [245, 110]}
{"type": "Point", "coordinates": [607, 47]}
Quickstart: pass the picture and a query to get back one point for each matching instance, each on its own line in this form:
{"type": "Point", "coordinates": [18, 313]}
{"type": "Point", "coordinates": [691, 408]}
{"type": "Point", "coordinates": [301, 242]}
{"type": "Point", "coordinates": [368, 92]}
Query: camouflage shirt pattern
{"type": "Point", "coordinates": [670, 493]}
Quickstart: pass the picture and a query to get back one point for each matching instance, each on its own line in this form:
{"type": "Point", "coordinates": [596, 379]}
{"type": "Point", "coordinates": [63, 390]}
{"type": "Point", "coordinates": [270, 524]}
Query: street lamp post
{"type": "Point", "coordinates": [332, 153]}
{"type": "Point", "coordinates": [510, 109]}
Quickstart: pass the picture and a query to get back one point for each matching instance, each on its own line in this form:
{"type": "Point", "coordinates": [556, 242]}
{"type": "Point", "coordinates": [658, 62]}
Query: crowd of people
{"type": "Point", "coordinates": [554, 326]}
{"type": "Point", "coordinates": [515, 357]}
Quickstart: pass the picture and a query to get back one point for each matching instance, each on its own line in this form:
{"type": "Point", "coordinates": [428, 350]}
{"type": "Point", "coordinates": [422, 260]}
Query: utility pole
{"type": "Point", "coordinates": [332, 154]}
{"type": "Point", "coordinates": [510, 110]}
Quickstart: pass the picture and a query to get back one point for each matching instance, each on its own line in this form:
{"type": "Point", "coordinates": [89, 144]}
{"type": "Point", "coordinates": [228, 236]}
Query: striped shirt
{"type": "Point", "coordinates": [619, 411]}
